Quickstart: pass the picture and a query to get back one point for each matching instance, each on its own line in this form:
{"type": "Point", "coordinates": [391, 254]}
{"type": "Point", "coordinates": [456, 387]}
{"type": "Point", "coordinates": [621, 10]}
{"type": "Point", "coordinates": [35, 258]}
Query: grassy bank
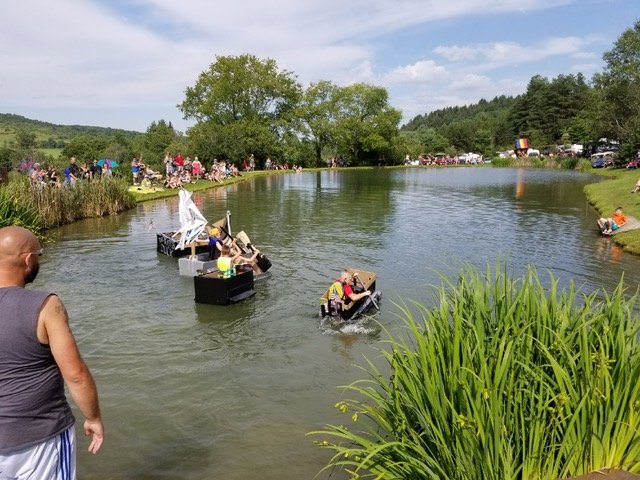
{"type": "Point", "coordinates": [614, 191]}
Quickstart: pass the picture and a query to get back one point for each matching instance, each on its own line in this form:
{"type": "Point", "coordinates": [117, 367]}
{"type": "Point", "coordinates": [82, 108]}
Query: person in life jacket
{"type": "Point", "coordinates": [215, 243]}
{"type": "Point", "coordinates": [229, 258]}
{"type": "Point", "coordinates": [341, 293]}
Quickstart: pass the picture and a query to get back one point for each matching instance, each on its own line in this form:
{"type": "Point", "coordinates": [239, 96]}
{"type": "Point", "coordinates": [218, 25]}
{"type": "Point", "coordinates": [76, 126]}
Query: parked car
{"type": "Point", "coordinates": [635, 163]}
{"type": "Point", "coordinates": [602, 159]}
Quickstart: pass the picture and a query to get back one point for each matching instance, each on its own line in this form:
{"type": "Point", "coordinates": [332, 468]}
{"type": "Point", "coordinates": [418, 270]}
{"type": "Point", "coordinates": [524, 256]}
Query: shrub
{"type": "Point", "coordinates": [502, 162]}
{"type": "Point", "coordinates": [569, 163]}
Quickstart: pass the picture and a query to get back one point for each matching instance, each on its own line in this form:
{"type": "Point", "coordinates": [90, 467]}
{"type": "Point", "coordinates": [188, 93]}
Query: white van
{"type": "Point", "coordinates": [532, 152]}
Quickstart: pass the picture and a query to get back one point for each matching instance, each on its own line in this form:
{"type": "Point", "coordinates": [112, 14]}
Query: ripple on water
{"type": "Point", "coordinates": [201, 391]}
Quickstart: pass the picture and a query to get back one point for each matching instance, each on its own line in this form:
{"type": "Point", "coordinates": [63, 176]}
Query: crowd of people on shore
{"type": "Point", "coordinates": [273, 165]}
{"type": "Point", "coordinates": [180, 170]}
{"type": "Point", "coordinates": [49, 176]}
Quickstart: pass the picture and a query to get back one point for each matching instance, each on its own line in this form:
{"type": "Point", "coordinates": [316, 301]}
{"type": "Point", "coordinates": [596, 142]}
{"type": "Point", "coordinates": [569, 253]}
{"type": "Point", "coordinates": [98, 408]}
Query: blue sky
{"type": "Point", "coordinates": [127, 63]}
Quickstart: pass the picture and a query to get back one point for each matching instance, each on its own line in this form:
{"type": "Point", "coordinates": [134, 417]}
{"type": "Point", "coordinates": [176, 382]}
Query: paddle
{"type": "Point", "coordinates": [363, 286]}
{"type": "Point", "coordinates": [228, 234]}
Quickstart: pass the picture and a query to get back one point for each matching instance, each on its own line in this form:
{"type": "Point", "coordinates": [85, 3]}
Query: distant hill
{"type": "Point", "coordinates": [50, 135]}
{"type": "Point", "coordinates": [443, 117]}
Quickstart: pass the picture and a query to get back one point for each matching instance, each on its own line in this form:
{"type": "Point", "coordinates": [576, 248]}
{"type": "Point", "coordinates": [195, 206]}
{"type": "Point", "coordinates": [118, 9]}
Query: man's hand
{"type": "Point", "coordinates": [95, 428]}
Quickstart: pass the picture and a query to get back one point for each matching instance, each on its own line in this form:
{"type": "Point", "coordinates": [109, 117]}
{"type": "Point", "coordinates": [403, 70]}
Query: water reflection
{"type": "Point", "coordinates": [199, 391]}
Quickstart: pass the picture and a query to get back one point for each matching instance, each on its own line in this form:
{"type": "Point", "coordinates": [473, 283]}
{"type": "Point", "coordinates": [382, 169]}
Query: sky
{"type": "Point", "coordinates": [127, 63]}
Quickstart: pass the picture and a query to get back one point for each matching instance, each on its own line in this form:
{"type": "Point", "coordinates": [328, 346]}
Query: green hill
{"type": "Point", "coordinates": [50, 138]}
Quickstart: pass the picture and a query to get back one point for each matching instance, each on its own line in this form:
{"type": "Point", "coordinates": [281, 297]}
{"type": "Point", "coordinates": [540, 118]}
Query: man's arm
{"type": "Point", "coordinates": [53, 329]}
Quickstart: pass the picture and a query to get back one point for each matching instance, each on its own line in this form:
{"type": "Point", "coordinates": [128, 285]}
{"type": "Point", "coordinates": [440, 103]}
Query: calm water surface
{"type": "Point", "coordinates": [201, 392]}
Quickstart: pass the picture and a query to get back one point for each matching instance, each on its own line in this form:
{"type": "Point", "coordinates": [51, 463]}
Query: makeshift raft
{"type": "Point", "coordinates": [170, 243]}
{"type": "Point", "coordinates": [214, 289]}
{"type": "Point", "coordinates": [352, 310]}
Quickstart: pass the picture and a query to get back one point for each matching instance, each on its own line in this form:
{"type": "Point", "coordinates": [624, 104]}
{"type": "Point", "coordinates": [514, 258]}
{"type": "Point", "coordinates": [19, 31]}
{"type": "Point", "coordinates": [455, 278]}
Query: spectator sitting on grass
{"type": "Point", "coordinates": [173, 181]}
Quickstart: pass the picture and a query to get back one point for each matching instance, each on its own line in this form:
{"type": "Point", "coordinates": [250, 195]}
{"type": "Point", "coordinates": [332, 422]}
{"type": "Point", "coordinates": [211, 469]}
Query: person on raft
{"type": "Point", "coordinates": [215, 243]}
{"type": "Point", "coordinates": [230, 257]}
{"type": "Point", "coordinates": [342, 292]}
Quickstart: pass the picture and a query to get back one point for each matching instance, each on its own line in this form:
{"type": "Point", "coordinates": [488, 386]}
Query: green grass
{"type": "Point", "coordinates": [503, 380]}
{"type": "Point", "coordinates": [613, 192]}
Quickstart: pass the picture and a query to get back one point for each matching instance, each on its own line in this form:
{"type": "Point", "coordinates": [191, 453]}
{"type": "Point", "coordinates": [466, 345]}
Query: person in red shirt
{"type": "Point", "coordinates": [610, 225]}
{"type": "Point", "coordinates": [179, 162]}
{"type": "Point", "coordinates": [347, 281]}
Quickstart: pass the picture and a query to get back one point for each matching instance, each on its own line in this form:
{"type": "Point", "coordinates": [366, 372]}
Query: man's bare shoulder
{"type": "Point", "coordinates": [53, 316]}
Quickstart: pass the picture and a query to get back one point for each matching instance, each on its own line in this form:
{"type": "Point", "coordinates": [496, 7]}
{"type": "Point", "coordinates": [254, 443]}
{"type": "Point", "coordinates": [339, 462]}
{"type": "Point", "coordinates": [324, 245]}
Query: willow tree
{"type": "Point", "coordinates": [242, 105]}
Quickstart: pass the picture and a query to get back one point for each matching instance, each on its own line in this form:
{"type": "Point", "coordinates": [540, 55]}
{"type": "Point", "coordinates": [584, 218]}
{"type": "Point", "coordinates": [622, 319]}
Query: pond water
{"type": "Point", "coordinates": [195, 391]}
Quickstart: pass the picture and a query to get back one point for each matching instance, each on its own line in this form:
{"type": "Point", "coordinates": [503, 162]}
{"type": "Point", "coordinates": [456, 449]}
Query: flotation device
{"type": "Point", "coordinates": [225, 265]}
{"type": "Point", "coordinates": [335, 297]}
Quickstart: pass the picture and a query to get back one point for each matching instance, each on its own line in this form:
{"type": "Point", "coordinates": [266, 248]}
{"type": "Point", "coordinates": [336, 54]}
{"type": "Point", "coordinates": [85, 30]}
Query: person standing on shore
{"type": "Point", "coordinates": [38, 356]}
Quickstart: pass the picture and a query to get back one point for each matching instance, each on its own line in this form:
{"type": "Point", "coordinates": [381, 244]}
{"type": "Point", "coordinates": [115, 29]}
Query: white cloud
{"type": "Point", "coordinates": [457, 53]}
{"type": "Point", "coordinates": [587, 69]}
{"type": "Point", "coordinates": [584, 55]}
{"type": "Point", "coordinates": [471, 81]}
{"type": "Point", "coordinates": [501, 53]}
{"type": "Point", "coordinates": [80, 57]}
{"type": "Point", "coordinates": [421, 71]}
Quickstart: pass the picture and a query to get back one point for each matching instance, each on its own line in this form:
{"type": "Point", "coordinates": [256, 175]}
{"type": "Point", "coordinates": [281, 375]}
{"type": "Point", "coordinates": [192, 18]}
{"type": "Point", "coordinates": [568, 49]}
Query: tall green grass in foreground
{"type": "Point", "coordinates": [59, 206]}
{"type": "Point", "coordinates": [503, 379]}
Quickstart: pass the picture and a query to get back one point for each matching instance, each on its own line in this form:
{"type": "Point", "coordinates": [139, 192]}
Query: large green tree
{"type": "Point", "coordinates": [366, 125]}
{"type": "Point", "coordinates": [159, 139]}
{"type": "Point", "coordinates": [616, 105]}
{"type": "Point", "coordinates": [548, 108]}
{"type": "Point", "coordinates": [242, 105]}
{"type": "Point", "coordinates": [25, 139]}
{"type": "Point", "coordinates": [86, 148]}
{"type": "Point", "coordinates": [317, 113]}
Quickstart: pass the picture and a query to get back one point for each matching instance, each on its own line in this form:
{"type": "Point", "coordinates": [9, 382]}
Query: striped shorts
{"type": "Point", "coordinates": [53, 459]}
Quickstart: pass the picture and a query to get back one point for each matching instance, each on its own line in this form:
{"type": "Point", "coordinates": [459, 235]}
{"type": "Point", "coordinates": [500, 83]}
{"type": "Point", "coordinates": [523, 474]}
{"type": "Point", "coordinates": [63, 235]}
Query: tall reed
{"type": "Point", "coordinates": [14, 212]}
{"type": "Point", "coordinates": [58, 206]}
{"type": "Point", "coordinates": [503, 379]}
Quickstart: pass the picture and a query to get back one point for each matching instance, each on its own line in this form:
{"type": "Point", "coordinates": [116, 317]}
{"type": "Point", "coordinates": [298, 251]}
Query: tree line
{"type": "Point", "coordinates": [565, 109]}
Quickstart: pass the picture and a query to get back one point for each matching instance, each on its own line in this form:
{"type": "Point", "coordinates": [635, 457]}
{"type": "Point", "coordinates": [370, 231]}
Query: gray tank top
{"type": "Point", "coordinates": [33, 406]}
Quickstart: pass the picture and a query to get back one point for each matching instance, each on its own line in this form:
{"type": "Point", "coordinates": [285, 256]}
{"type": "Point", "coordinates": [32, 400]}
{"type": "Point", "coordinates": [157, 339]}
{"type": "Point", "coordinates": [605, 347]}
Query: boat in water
{"type": "Point", "coordinates": [214, 289]}
{"type": "Point", "coordinates": [344, 311]}
{"type": "Point", "coordinates": [190, 244]}
{"type": "Point", "coordinates": [191, 238]}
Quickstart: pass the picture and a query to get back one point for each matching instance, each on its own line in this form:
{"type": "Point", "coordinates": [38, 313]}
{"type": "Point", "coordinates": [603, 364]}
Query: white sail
{"type": "Point", "coordinates": [192, 222]}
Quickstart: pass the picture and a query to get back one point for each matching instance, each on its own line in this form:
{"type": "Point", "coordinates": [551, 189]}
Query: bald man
{"type": "Point", "coordinates": [38, 356]}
